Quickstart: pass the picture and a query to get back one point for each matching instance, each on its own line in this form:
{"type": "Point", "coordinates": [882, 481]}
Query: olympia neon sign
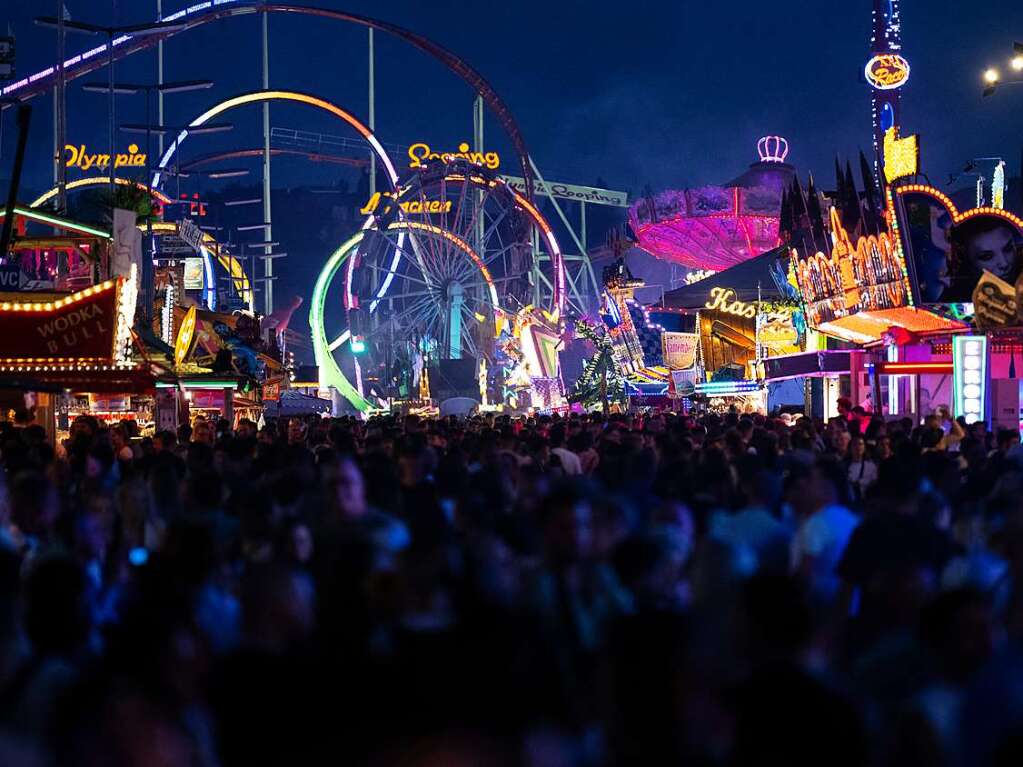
{"type": "Point", "coordinates": [80, 157]}
{"type": "Point", "coordinates": [419, 154]}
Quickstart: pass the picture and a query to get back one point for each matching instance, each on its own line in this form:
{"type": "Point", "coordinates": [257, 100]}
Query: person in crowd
{"type": "Point", "coordinates": [578, 589]}
{"type": "Point", "coordinates": [860, 470]}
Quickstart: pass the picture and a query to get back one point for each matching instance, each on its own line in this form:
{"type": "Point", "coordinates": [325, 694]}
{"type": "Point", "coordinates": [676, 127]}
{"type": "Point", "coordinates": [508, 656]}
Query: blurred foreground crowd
{"type": "Point", "coordinates": [553, 591]}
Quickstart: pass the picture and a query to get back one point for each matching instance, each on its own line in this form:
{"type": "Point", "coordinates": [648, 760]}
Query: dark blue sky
{"type": "Point", "coordinates": [668, 93]}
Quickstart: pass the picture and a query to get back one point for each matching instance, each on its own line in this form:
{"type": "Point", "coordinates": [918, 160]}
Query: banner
{"type": "Point", "coordinates": [776, 333]}
{"type": "Point", "coordinates": [683, 382]}
{"type": "Point", "coordinates": [190, 234]}
{"type": "Point", "coordinates": [79, 326]}
{"type": "Point", "coordinates": [574, 192]}
{"type": "Point", "coordinates": [679, 350]}
{"type": "Point", "coordinates": [272, 391]}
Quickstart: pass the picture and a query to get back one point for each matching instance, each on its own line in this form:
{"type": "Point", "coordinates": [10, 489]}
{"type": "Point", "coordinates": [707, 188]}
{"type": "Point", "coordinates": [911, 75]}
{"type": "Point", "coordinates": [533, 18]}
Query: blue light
{"type": "Point", "coordinates": [887, 116]}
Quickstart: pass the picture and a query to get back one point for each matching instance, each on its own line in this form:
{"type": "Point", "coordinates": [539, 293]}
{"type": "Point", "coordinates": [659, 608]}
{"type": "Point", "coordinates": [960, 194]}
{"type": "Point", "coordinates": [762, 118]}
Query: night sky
{"type": "Point", "coordinates": [640, 93]}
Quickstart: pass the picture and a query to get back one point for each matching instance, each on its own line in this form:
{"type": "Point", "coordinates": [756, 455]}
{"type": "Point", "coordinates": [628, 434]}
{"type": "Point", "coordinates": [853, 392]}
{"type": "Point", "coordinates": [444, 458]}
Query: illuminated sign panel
{"type": "Point", "coordinates": [80, 157]}
{"type": "Point", "coordinates": [867, 275]}
{"type": "Point", "coordinates": [419, 154]}
{"type": "Point", "coordinates": [77, 327]}
{"type": "Point", "coordinates": [887, 71]}
{"type": "Point", "coordinates": [970, 377]}
{"type": "Point", "coordinates": [193, 274]}
{"type": "Point", "coordinates": [901, 155]}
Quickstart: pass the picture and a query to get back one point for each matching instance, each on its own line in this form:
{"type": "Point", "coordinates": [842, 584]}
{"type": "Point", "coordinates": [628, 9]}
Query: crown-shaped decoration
{"type": "Point", "coordinates": [773, 149]}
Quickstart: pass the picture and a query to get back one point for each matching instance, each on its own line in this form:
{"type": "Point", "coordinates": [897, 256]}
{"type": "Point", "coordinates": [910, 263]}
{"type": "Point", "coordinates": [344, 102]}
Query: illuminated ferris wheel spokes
{"type": "Point", "coordinates": [440, 296]}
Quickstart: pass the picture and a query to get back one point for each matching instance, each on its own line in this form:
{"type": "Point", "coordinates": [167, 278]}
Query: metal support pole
{"type": "Point", "coordinates": [159, 77]}
{"type": "Point", "coordinates": [582, 224]}
{"type": "Point", "coordinates": [147, 257]}
{"type": "Point", "coordinates": [24, 118]}
{"type": "Point", "coordinates": [477, 141]}
{"type": "Point", "coordinates": [60, 116]}
{"type": "Point", "coordinates": [110, 72]}
{"type": "Point", "coordinates": [372, 115]}
{"type": "Point", "coordinates": [268, 264]}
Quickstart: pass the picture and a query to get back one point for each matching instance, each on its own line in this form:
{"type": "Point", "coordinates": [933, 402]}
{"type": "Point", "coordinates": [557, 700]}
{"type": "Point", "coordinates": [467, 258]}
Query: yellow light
{"type": "Point", "coordinates": [1017, 63]}
{"type": "Point", "coordinates": [991, 76]}
{"type": "Point", "coordinates": [186, 334]}
{"type": "Point", "coordinates": [901, 155]}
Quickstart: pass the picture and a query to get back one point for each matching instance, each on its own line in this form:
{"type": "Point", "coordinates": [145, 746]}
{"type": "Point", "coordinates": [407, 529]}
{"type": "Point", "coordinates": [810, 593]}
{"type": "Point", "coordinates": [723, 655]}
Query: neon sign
{"type": "Point", "coordinates": [409, 206]}
{"type": "Point", "coordinates": [887, 71]}
{"type": "Point", "coordinates": [724, 300]}
{"type": "Point", "coordinates": [969, 377]}
{"type": "Point", "coordinates": [78, 157]}
{"type": "Point", "coordinates": [419, 154]}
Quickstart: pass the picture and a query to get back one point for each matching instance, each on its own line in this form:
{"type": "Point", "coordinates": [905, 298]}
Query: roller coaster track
{"type": "Point", "coordinates": [214, 10]}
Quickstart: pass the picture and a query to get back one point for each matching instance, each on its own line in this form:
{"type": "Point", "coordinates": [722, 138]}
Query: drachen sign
{"type": "Point", "coordinates": [80, 157]}
{"type": "Point", "coordinates": [419, 154]}
{"type": "Point", "coordinates": [80, 326]}
{"type": "Point", "coordinates": [408, 206]}
{"type": "Point", "coordinates": [591, 194]}
{"type": "Point", "coordinates": [724, 300]}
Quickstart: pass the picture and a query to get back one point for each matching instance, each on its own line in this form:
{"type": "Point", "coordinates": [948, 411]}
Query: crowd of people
{"type": "Point", "coordinates": [549, 591]}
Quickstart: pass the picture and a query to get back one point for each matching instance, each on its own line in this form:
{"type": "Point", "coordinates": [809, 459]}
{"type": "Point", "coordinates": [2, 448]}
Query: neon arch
{"type": "Point", "coordinates": [330, 372]}
{"type": "Point", "coordinates": [254, 97]}
{"type": "Point", "coordinates": [97, 181]}
{"type": "Point", "coordinates": [959, 216]}
{"type": "Point", "coordinates": [212, 10]}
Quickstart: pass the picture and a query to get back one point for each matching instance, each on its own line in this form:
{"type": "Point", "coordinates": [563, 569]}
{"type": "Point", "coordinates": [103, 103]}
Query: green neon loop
{"type": "Point", "coordinates": [330, 372]}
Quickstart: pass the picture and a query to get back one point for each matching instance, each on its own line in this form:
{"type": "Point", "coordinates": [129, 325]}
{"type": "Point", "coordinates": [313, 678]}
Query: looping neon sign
{"type": "Point", "coordinates": [724, 300]}
{"type": "Point", "coordinates": [887, 71]}
{"type": "Point", "coordinates": [420, 154]}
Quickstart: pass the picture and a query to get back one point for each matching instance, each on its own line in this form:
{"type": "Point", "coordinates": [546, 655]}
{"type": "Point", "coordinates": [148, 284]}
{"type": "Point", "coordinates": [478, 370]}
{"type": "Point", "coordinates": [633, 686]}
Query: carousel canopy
{"type": "Point", "coordinates": [716, 227]}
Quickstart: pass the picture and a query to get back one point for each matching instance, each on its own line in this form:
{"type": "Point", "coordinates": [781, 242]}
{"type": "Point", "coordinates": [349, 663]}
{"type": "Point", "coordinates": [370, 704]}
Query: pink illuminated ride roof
{"type": "Point", "coordinates": [716, 227]}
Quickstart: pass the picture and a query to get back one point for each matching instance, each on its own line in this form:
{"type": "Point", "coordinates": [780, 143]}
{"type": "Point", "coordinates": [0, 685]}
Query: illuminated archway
{"type": "Point", "coordinates": [959, 216]}
{"type": "Point", "coordinates": [212, 10]}
{"type": "Point", "coordinates": [90, 181]}
{"type": "Point", "coordinates": [330, 372]}
{"type": "Point", "coordinates": [255, 97]}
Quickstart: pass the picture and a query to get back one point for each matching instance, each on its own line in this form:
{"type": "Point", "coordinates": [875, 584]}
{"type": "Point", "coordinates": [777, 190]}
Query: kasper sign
{"type": "Point", "coordinates": [78, 327]}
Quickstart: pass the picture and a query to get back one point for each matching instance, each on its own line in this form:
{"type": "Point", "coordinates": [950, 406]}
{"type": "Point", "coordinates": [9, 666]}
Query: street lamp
{"type": "Point", "coordinates": [993, 78]}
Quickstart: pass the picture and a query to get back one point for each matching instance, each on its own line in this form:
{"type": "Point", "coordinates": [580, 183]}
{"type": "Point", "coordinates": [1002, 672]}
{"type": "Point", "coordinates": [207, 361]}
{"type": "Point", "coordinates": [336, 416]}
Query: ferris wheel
{"type": "Point", "coordinates": [433, 274]}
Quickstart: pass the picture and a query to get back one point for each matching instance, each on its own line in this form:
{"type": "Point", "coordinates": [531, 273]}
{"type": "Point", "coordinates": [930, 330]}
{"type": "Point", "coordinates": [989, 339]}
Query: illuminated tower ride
{"type": "Point", "coordinates": [886, 72]}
